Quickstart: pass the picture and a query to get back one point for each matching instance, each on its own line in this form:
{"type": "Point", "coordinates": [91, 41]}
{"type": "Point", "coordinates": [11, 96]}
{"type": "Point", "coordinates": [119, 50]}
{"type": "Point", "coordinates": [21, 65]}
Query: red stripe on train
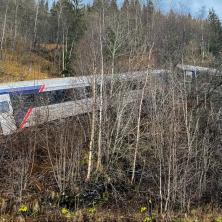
{"type": "Point", "coordinates": [30, 110]}
{"type": "Point", "coordinates": [42, 88]}
{"type": "Point", "coordinates": [26, 118]}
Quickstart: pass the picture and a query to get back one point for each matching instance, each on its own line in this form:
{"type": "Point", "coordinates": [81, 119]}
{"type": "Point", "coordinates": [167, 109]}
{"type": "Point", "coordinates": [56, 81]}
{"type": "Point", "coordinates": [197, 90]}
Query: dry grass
{"type": "Point", "coordinates": [51, 47]}
{"type": "Point", "coordinates": [18, 65]}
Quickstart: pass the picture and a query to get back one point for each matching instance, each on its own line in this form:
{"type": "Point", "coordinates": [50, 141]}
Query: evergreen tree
{"type": "Point", "coordinates": [215, 33]}
{"type": "Point", "coordinates": [113, 6]}
{"type": "Point", "coordinates": [150, 7]}
{"type": "Point", "coordinates": [148, 10]}
{"type": "Point", "coordinates": [43, 22]}
{"type": "Point", "coordinates": [67, 25]}
{"type": "Point", "coordinates": [125, 6]}
{"type": "Point", "coordinates": [99, 5]}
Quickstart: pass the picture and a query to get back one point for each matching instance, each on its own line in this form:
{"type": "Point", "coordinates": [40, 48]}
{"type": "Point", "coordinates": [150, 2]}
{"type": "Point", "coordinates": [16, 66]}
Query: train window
{"type": "Point", "coordinates": [98, 89]}
{"type": "Point", "coordinates": [107, 87]}
{"type": "Point", "coordinates": [141, 85]}
{"type": "Point", "coordinates": [4, 107]}
{"type": "Point", "coordinates": [21, 104]}
{"type": "Point", "coordinates": [133, 85]}
{"type": "Point", "coordinates": [63, 95]}
{"type": "Point", "coordinates": [42, 99]}
{"type": "Point", "coordinates": [78, 93]}
{"type": "Point", "coordinates": [88, 91]}
{"type": "Point", "coordinates": [57, 96]}
{"type": "Point", "coordinates": [82, 93]}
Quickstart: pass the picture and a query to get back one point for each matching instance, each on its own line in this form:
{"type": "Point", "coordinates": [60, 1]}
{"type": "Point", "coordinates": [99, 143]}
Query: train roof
{"type": "Point", "coordinates": [67, 82]}
{"type": "Point", "coordinates": [48, 84]}
{"type": "Point", "coordinates": [196, 68]}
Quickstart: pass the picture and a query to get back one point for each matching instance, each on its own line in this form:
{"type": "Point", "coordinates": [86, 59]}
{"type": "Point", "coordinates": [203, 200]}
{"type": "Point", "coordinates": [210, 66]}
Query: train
{"type": "Point", "coordinates": [28, 103]}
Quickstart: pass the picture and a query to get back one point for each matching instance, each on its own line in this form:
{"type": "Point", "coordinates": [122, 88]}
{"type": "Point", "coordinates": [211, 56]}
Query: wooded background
{"type": "Point", "coordinates": [163, 151]}
{"type": "Point", "coordinates": [66, 37]}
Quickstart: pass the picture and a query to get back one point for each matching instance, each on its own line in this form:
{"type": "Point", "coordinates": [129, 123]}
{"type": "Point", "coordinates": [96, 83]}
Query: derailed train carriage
{"type": "Point", "coordinates": [28, 103]}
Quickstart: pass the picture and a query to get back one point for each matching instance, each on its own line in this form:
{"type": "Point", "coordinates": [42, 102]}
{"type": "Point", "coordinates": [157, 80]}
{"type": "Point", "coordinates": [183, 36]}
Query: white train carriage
{"type": "Point", "coordinates": [28, 103]}
{"type": "Point", "coordinates": [194, 71]}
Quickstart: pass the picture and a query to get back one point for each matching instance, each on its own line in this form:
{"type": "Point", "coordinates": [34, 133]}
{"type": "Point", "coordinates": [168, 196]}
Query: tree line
{"type": "Point", "coordinates": [129, 33]}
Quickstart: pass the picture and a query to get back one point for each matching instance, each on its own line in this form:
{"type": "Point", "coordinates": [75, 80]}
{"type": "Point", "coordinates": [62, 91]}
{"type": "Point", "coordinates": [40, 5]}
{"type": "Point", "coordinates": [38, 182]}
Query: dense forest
{"type": "Point", "coordinates": [158, 159]}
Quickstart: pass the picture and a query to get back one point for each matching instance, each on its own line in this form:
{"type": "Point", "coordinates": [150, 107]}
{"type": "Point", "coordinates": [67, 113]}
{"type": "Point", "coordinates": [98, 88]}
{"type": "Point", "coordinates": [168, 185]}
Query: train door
{"type": "Point", "coordinates": [7, 121]}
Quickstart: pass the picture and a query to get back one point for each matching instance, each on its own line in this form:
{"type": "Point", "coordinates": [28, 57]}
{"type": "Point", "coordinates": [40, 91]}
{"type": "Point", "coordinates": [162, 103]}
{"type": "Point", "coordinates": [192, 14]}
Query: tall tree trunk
{"type": "Point", "coordinates": [3, 30]}
{"type": "Point", "coordinates": [35, 25]}
{"type": "Point", "coordinates": [92, 137]}
{"type": "Point", "coordinates": [15, 24]}
{"type": "Point", "coordinates": [138, 128]}
{"type": "Point", "coordinates": [99, 157]}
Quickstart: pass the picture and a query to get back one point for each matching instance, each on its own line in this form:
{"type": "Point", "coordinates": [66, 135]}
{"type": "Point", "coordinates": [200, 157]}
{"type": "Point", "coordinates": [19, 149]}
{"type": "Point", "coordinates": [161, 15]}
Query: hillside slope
{"type": "Point", "coordinates": [24, 65]}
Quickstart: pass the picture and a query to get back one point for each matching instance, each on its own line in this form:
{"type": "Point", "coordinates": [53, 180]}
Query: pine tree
{"type": "Point", "coordinates": [150, 7]}
{"type": "Point", "coordinates": [99, 5]}
{"type": "Point", "coordinates": [148, 10]}
{"type": "Point", "coordinates": [113, 6]}
{"type": "Point", "coordinates": [215, 33]}
{"type": "Point", "coordinates": [67, 26]}
{"type": "Point", "coordinates": [125, 6]}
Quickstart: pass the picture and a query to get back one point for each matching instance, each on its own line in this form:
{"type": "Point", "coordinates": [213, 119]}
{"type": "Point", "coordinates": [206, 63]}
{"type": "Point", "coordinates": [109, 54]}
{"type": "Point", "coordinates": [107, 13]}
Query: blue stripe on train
{"type": "Point", "coordinates": [21, 90]}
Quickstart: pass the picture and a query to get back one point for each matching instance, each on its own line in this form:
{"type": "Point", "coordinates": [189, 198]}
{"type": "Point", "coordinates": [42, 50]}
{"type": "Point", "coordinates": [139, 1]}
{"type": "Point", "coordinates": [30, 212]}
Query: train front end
{"type": "Point", "coordinates": [7, 121]}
